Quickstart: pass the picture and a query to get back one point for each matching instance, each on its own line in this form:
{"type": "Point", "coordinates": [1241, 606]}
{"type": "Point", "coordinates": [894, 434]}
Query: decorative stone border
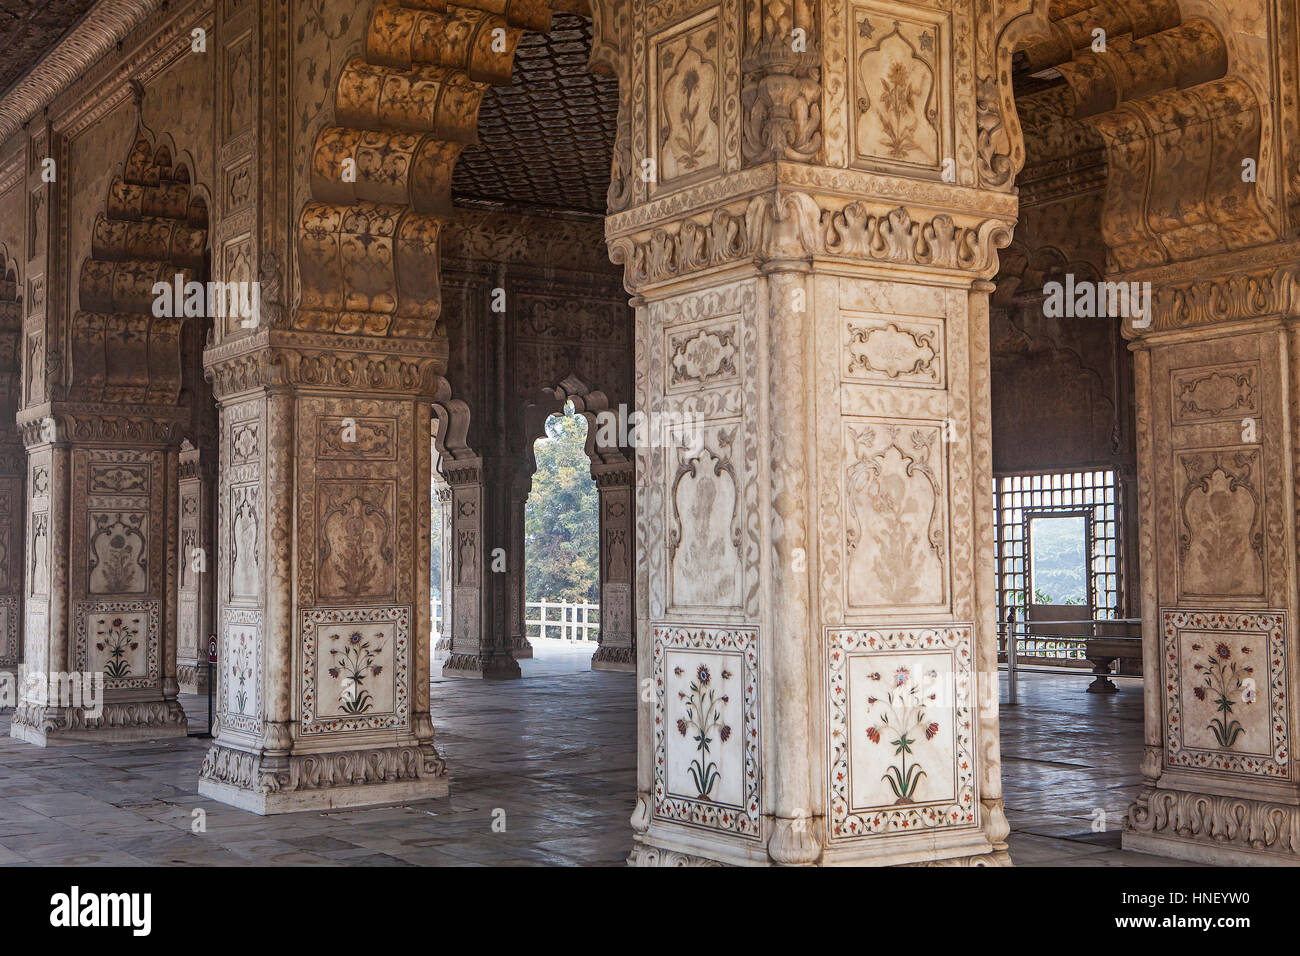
{"type": "Point", "coordinates": [742, 642]}
{"type": "Point", "coordinates": [400, 717]}
{"type": "Point", "coordinates": [848, 822]}
{"type": "Point", "coordinates": [1268, 624]}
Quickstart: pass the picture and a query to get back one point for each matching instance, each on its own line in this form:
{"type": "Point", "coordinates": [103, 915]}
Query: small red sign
{"type": "Point", "coordinates": [212, 649]}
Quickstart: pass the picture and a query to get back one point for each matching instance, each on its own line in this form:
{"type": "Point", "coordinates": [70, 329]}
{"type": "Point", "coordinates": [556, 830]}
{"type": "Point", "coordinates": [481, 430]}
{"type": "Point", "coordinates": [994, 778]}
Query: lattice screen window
{"type": "Point", "coordinates": [1021, 498]}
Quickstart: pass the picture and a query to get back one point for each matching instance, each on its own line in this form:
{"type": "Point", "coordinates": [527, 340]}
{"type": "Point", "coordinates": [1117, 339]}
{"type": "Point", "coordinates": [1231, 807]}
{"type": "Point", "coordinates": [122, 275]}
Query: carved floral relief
{"type": "Point", "coordinates": [356, 541]}
{"type": "Point", "coordinates": [893, 351]}
{"type": "Point", "coordinates": [119, 554]}
{"type": "Point", "coordinates": [896, 74]}
{"type": "Point", "coordinates": [895, 505]}
{"type": "Point", "coordinates": [1221, 544]}
{"type": "Point", "coordinates": [702, 356]}
{"type": "Point", "coordinates": [245, 558]}
{"type": "Point", "coordinates": [704, 546]}
{"type": "Point", "coordinates": [687, 76]}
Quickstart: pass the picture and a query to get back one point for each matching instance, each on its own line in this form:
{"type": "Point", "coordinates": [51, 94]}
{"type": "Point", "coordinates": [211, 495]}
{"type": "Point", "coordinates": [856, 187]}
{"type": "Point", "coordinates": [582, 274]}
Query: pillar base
{"type": "Point", "coordinates": [521, 649]}
{"type": "Point", "coordinates": [491, 666]}
{"type": "Point", "coordinates": [609, 658]}
{"type": "Point", "coordinates": [193, 677]}
{"type": "Point", "coordinates": [978, 854]}
{"type": "Point", "coordinates": [1210, 828]}
{"type": "Point", "coordinates": [118, 723]}
{"type": "Point", "coordinates": [322, 781]}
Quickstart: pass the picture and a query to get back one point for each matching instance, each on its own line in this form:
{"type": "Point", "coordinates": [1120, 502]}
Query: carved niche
{"type": "Point", "coordinates": [896, 537]}
{"type": "Point", "coordinates": [898, 73]}
{"type": "Point", "coordinates": [1221, 541]}
{"type": "Point", "coordinates": [704, 541]}
{"type": "Point", "coordinates": [688, 76]}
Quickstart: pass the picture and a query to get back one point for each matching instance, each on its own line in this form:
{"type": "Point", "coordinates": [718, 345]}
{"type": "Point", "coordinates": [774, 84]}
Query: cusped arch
{"type": "Point", "coordinates": [153, 230]}
{"type": "Point", "coordinates": [593, 405]}
{"type": "Point", "coordinates": [368, 240]}
{"type": "Point", "coordinates": [1156, 91]}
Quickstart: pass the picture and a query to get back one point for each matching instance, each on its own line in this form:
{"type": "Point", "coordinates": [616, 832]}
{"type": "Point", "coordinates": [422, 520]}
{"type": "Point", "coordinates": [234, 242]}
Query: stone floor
{"type": "Point", "coordinates": [553, 752]}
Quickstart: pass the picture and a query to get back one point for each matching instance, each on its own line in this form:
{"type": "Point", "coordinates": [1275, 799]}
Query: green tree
{"type": "Point", "coordinates": [562, 517]}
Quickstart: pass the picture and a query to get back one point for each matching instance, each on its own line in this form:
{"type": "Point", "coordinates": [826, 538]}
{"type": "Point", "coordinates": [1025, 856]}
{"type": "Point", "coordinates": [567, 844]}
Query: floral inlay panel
{"type": "Point", "coordinates": [240, 671]}
{"type": "Point", "coordinates": [355, 669]}
{"type": "Point", "coordinates": [1225, 691]}
{"type": "Point", "coordinates": [901, 730]}
{"type": "Point", "coordinates": [706, 728]}
{"type": "Point", "coordinates": [120, 640]}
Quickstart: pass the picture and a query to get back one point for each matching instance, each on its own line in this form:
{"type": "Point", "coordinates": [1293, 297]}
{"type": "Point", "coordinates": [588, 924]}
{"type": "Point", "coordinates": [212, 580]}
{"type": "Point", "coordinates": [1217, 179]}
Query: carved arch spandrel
{"type": "Point", "coordinates": [368, 241]}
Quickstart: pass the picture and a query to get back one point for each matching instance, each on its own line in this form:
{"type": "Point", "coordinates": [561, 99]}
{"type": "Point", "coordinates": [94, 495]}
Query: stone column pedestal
{"type": "Point", "coordinates": [615, 490]}
{"type": "Point", "coordinates": [104, 517]}
{"type": "Point", "coordinates": [323, 577]}
{"type": "Point", "coordinates": [1215, 380]}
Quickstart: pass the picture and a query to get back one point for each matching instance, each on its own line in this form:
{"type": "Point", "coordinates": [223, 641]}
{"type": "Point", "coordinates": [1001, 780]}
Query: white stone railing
{"type": "Point", "coordinates": [557, 620]}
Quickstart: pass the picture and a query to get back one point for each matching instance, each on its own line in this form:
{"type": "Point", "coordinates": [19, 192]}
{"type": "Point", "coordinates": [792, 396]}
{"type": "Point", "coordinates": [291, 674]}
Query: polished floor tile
{"type": "Point", "coordinates": [542, 773]}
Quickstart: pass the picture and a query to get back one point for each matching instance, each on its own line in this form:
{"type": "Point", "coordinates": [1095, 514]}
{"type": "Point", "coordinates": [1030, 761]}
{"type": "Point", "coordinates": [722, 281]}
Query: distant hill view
{"type": "Point", "coordinates": [1058, 559]}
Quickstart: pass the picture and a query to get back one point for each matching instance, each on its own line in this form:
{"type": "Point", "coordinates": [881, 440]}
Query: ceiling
{"type": "Point", "coordinates": [30, 28]}
{"type": "Point", "coordinates": [547, 140]}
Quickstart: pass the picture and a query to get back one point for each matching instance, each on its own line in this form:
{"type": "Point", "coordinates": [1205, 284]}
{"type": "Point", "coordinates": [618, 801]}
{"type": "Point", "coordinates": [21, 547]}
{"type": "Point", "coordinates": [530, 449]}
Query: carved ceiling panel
{"type": "Point", "coordinates": [30, 29]}
{"type": "Point", "coordinates": [547, 139]}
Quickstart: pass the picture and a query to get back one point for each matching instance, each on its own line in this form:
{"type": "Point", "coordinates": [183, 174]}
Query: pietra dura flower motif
{"type": "Point", "coordinates": [900, 717]}
{"type": "Point", "coordinates": [703, 718]}
{"type": "Point", "coordinates": [1226, 702]}
{"type": "Point", "coordinates": [902, 730]}
{"type": "Point", "coordinates": [706, 729]}
{"type": "Point", "coordinates": [1228, 683]}
{"type": "Point", "coordinates": [119, 639]}
{"type": "Point", "coordinates": [352, 660]}
{"type": "Point", "coordinates": [118, 642]}
{"type": "Point", "coordinates": [241, 669]}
